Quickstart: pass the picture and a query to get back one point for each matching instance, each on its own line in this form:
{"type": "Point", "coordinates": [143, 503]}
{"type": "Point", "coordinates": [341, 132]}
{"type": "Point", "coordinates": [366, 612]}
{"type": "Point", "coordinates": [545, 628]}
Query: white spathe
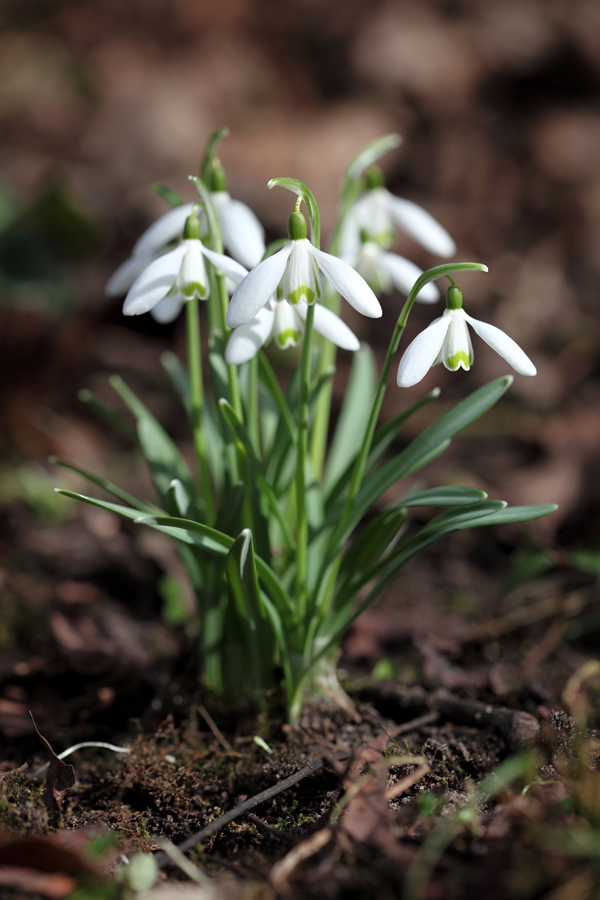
{"type": "Point", "coordinates": [243, 237]}
{"type": "Point", "coordinates": [284, 324]}
{"type": "Point", "coordinates": [447, 340]}
{"type": "Point", "coordinates": [292, 274]}
{"type": "Point", "coordinates": [379, 213]}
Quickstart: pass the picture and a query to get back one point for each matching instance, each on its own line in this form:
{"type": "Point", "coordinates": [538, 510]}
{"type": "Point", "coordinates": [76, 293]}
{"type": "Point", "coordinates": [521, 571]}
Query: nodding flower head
{"type": "Point", "coordinates": [447, 340]}
{"type": "Point", "coordinates": [292, 274]}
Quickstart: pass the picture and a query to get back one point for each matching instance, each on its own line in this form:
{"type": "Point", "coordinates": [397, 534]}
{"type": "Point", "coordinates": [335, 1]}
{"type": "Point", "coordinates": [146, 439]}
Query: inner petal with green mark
{"type": "Point", "coordinates": [298, 293]}
{"type": "Point", "coordinates": [300, 281]}
{"type": "Point", "coordinates": [458, 359]}
{"type": "Point", "coordinates": [194, 289]}
{"type": "Point", "coordinates": [288, 338]}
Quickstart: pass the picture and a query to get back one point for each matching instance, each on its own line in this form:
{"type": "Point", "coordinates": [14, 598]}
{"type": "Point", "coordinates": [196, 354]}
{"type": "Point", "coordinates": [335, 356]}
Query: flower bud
{"type": "Point", "coordinates": [216, 177]}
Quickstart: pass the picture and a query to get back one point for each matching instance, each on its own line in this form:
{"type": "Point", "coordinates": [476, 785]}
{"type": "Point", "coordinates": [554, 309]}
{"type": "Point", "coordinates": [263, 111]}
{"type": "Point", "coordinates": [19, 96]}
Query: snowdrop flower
{"type": "Point", "coordinates": [243, 237]}
{"type": "Point", "coordinates": [384, 271]}
{"type": "Point", "coordinates": [284, 324]}
{"type": "Point", "coordinates": [447, 340]}
{"type": "Point", "coordinates": [380, 214]}
{"type": "Point", "coordinates": [177, 276]}
{"type": "Point", "coordinates": [292, 274]}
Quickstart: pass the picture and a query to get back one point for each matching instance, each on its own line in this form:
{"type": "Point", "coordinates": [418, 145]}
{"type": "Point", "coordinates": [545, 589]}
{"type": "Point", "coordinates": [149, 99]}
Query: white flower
{"type": "Point", "coordinates": [284, 324]}
{"type": "Point", "coordinates": [447, 340]}
{"type": "Point", "coordinates": [177, 276]}
{"type": "Point", "coordinates": [378, 214]}
{"type": "Point", "coordinates": [243, 237]}
{"type": "Point", "coordinates": [292, 274]}
{"type": "Point", "coordinates": [384, 271]}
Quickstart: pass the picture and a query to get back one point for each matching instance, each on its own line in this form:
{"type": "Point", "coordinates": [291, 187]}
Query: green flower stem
{"type": "Point", "coordinates": [253, 411]}
{"type": "Point", "coordinates": [197, 403]}
{"type": "Point", "coordinates": [425, 278]}
{"type": "Point", "coordinates": [302, 520]}
{"type": "Point", "coordinates": [320, 422]}
{"type": "Point", "coordinates": [234, 383]}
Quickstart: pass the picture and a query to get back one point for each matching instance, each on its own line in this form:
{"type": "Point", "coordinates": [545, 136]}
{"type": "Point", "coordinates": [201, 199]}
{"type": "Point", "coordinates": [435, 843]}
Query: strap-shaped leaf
{"type": "Point", "coordinates": [163, 458]}
{"type": "Point", "coordinates": [443, 496]}
{"type": "Point", "coordinates": [354, 415]}
{"type": "Point", "coordinates": [268, 577]}
{"type": "Point", "coordinates": [177, 499]}
{"type": "Point", "coordinates": [381, 441]}
{"type": "Point", "coordinates": [178, 377]}
{"type": "Point", "coordinates": [166, 193]}
{"type": "Point", "coordinates": [108, 415]}
{"type": "Point", "coordinates": [513, 514]}
{"type": "Point", "coordinates": [269, 380]}
{"type": "Point", "coordinates": [114, 489]}
{"type": "Point", "coordinates": [370, 544]}
{"type": "Point", "coordinates": [243, 580]}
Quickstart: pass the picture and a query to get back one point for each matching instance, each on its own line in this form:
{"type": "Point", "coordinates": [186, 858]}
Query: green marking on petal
{"type": "Point", "coordinates": [279, 293]}
{"type": "Point", "coordinates": [456, 360]}
{"type": "Point", "coordinates": [192, 288]}
{"type": "Point", "coordinates": [288, 338]}
{"type": "Point", "coordinates": [298, 293]}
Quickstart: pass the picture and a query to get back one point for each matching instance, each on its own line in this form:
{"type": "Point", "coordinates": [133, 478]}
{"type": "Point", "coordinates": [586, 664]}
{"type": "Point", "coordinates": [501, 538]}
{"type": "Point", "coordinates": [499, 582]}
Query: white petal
{"type": "Point", "coordinates": [225, 264]}
{"type": "Point", "coordinates": [245, 341]}
{"type": "Point", "coordinates": [300, 282]}
{"type": "Point", "coordinates": [162, 231]}
{"type": "Point", "coordinates": [257, 287]}
{"type": "Point", "coordinates": [504, 345]}
{"type": "Point", "coordinates": [192, 280]}
{"type": "Point", "coordinates": [287, 327]}
{"type": "Point", "coordinates": [421, 226]}
{"type": "Point", "coordinates": [122, 278]}
{"type": "Point", "coordinates": [331, 327]}
{"type": "Point", "coordinates": [373, 214]}
{"type": "Point", "coordinates": [154, 283]}
{"type": "Point", "coordinates": [404, 273]}
{"type": "Point", "coordinates": [349, 284]}
{"type": "Point", "coordinates": [243, 235]}
{"type": "Point", "coordinates": [457, 352]}
{"type": "Point", "coordinates": [422, 353]}
{"type": "Point", "coordinates": [167, 309]}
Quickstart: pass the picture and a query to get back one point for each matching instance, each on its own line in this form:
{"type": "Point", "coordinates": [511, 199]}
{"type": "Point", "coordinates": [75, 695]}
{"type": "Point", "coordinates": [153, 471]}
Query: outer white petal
{"type": "Point", "coordinates": [162, 231]}
{"type": "Point", "coordinates": [404, 273]}
{"type": "Point", "coordinates": [331, 326]}
{"type": "Point", "coordinates": [257, 287]}
{"type": "Point", "coordinates": [122, 278]}
{"type": "Point", "coordinates": [154, 283]}
{"type": "Point", "coordinates": [421, 226]}
{"type": "Point", "coordinates": [349, 284]}
{"type": "Point", "coordinates": [504, 345]}
{"type": "Point", "coordinates": [245, 341]}
{"type": "Point", "coordinates": [167, 309]}
{"type": "Point", "coordinates": [243, 235]}
{"type": "Point", "coordinates": [225, 264]}
{"type": "Point", "coordinates": [422, 353]}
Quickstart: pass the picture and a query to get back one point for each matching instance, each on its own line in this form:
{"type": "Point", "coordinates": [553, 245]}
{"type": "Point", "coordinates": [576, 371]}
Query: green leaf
{"type": "Point", "coordinates": [177, 499]}
{"type": "Point", "coordinates": [109, 415]}
{"type": "Point", "coordinates": [354, 415]}
{"type": "Point", "coordinates": [381, 441]}
{"type": "Point", "coordinates": [443, 496]}
{"type": "Point", "coordinates": [516, 514]}
{"type": "Point", "coordinates": [230, 512]}
{"type": "Point", "coordinates": [271, 582]}
{"type": "Point", "coordinates": [269, 380]}
{"type": "Point", "coordinates": [108, 486]}
{"type": "Point", "coordinates": [241, 575]}
{"type": "Point", "coordinates": [371, 153]}
{"type": "Point", "coordinates": [161, 454]}
{"type": "Point", "coordinates": [166, 193]}
{"type": "Point", "coordinates": [178, 377]}
{"type": "Point", "coordinates": [370, 544]}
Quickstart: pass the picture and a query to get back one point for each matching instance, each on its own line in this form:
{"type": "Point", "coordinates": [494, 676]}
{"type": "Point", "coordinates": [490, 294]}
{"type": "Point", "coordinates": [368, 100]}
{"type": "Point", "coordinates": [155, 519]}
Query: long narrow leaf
{"type": "Point", "coordinates": [443, 496]}
{"type": "Point", "coordinates": [108, 415]}
{"type": "Point", "coordinates": [354, 415]}
{"type": "Point", "coordinates": [110, 488]}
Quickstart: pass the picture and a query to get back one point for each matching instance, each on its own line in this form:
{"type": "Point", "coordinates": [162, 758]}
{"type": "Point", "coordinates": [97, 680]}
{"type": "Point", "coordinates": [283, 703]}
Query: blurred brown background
{"type": "Point", "coordinates": [498, 104]}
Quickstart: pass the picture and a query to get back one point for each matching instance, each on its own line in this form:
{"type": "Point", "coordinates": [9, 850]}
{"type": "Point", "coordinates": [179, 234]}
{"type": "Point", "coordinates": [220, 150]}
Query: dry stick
{"type": "Point", "coordinates": [247, 805]}
{"type": "Point", "coordinates": [522, 616]}
{"type": "Point", "coordinates": [217, 731]}
{"type": "Point", "coordinates": [414, 724]}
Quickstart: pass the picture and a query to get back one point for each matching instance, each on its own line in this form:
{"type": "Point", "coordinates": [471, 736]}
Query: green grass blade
{"type": "Point", "coordinates": [108, 415]}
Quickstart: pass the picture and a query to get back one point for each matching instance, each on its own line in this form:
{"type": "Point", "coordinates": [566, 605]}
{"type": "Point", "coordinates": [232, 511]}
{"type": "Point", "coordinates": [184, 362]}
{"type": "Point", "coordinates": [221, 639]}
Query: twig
{"type": "Point", "coordinates": [568, 606]}
{"type": "Point", "coordinates": [268, 829]}
{"type": "Point", "coordinates": [217, 731]}
{"type": "Point", "coordinates": [243, 808]}
{"type": "Point", "coordinates": [414, 724]}
{"type": "Point", "coordinates": [405, 783]}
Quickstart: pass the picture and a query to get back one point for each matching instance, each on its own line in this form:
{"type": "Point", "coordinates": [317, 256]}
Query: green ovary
{"type": "Point", "coordinates": [298, 293]}
{"type": "Point", "coordinates": [453, 362]}
{"type": "Point", "coordinates": [288, 338]}
{"type": "Point", "coordinates": [194, 287]}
